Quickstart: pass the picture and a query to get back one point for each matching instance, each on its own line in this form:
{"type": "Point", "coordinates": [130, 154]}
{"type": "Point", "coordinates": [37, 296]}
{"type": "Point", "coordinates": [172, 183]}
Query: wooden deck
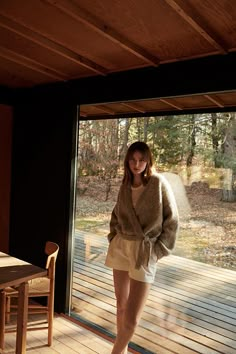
{"type": "Point", "coordinates": [191, 307]}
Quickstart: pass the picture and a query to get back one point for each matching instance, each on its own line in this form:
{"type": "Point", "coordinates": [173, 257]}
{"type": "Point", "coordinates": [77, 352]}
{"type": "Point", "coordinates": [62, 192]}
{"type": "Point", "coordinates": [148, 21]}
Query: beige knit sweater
{"type": "Point", "coordinates": [154, 220]}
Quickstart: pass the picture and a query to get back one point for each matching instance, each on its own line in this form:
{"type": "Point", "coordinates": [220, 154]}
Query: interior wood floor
{"type": "Point", "coordinates": [69, 338]}
{"type": "Point", "coordinates": [191, 307]}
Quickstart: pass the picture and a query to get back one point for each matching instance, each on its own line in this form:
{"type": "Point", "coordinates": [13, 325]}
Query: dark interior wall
{"type": "Point", "coordinates": [41, 185]}
{"type": "Point", "coordinates": [5, 174]}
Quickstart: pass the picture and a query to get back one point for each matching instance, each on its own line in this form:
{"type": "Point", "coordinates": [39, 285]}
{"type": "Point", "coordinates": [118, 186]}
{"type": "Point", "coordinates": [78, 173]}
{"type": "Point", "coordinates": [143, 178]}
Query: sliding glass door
{"type": "Point", "coordinates": [201, 177]}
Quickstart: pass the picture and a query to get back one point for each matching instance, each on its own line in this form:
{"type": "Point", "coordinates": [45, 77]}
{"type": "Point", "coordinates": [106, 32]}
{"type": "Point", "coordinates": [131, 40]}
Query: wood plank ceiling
{"type": "Point", "coordinates": [48, 41]}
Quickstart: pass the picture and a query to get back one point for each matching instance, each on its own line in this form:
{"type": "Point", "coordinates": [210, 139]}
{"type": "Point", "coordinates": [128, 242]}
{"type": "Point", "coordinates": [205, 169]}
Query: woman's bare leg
{"type": "Point", "coordinates": [135, 303]}
{"type": "Point", "coordinates": [122, 288]}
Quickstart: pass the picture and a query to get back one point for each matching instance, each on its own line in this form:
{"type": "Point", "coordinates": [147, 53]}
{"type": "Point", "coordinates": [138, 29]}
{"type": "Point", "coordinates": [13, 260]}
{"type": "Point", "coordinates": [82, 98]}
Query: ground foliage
{"type": "Point", "coordinates": [207, 235]}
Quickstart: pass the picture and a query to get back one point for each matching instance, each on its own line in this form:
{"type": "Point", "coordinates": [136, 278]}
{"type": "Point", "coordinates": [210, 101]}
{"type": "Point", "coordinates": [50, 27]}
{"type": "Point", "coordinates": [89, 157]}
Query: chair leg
{"type": "Point", "coordinates": [50, 318]}
{"type": "Point", "coordinates": [8, 309]}
{"type": "Point", "coordinates": [2, 317]}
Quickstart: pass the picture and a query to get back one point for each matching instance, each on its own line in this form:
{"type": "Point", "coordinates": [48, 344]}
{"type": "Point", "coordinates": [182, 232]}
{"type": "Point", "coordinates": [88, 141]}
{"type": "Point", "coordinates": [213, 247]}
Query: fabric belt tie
{"type": "Point", "coordinates": [144, 252]}
{"type": "Point", "coordinates": [145, 248]}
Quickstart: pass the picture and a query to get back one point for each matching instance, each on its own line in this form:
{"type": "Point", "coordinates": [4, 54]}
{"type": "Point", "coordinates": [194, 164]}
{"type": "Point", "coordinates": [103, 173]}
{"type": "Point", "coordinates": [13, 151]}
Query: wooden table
{"type": "Point", "coordinates": [16, 272]}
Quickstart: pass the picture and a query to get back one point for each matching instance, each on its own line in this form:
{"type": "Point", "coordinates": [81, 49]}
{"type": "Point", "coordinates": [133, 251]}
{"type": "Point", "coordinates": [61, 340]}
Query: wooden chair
{"type": "Point", "coordinates": [39, 287]}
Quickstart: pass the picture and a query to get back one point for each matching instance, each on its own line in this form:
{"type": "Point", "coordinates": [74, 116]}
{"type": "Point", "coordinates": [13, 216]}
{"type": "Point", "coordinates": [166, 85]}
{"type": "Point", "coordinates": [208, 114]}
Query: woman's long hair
{"type": "Point", "coordinates": [143, 148]}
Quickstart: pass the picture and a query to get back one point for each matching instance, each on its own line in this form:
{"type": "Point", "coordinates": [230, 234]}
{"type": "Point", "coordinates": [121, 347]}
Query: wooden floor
{"type": "Point", "coordinates": [191, 307]}
{"type": "Point", "coordinates": [69, 338]}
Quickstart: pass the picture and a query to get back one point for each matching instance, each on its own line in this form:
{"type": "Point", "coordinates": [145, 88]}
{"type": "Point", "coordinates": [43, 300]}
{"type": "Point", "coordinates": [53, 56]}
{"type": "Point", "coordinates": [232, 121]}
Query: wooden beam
{"type": "Point", "coordinates": [43, 40]}
{"type": "Point", "coordinates": [83, 16]}
{"type": "Point", "coordinates": [104, 109]}
{"type": "Point", "coordinates": [83, 114]}
{"type": "Point", "coordinates": [195, 21]}
{"type": "Point", "coordinates": [217, 102]}
{"type": "Point", "coordinates": [31, 64]}
{"type": "Point", "coordinates": [133, 106]}
{"type": "Point", "coordinates": [169, 103]}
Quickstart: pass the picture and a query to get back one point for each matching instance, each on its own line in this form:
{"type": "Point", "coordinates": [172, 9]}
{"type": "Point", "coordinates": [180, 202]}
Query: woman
{"type": "Point", "coordinates": [143, 229]}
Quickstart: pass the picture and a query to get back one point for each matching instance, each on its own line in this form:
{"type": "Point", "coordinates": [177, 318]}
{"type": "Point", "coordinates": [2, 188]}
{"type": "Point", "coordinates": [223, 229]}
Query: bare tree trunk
{"type": "Point", "coordinates": [145, 128]}
{"type": "Point", "coordinates": [138, 121]}
{"type": "Point", "coordinates": [229, 187]}
{"type": "Point", "coordinates": [125, 139]}
{"type": "Point", "coordinates": [214, 137]}
{"type": "Point", "coordinates": [192, 142]}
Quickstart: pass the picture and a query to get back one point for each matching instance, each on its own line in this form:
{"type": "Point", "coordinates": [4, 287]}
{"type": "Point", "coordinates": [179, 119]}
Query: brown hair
{"type": "Point", "coordinates": [143, 148]}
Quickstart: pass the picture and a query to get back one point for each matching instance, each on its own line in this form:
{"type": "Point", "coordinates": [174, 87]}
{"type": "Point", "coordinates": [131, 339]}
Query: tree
{"type": "Point", "coordinates": [191, 141]}
{"type": "Point", "coordinates": [98, 150]}
{"type": "Point", "coordinates": [215, 138]}
{"type": "Point", "coordinates": [183, 140]}
{"type": "Point", "coordinates": [229, 188]}
{"type": "Point", "coordinates": [124, 137]}
{"type": "Point", "coordinates": [168, 136]}
{"type": "Point", "coordinates": [145, 129]}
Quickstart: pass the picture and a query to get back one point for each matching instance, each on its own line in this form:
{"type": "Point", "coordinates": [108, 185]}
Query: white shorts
{"type": "Point", "coordinates": [122, 255]}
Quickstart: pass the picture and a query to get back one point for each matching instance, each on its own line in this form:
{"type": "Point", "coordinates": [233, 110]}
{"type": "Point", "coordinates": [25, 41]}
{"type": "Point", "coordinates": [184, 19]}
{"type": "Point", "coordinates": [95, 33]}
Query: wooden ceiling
{"type": "Point", "coordinates": [48, 41]}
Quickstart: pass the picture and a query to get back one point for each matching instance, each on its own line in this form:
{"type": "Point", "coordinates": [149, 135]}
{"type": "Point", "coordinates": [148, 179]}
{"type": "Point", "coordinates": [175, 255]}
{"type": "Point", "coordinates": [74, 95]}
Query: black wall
{"type": "Point", "coordinates": [41, 185]}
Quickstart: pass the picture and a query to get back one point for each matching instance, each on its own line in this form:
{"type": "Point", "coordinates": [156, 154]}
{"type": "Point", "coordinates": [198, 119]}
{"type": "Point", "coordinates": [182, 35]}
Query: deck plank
{"type": "Point", "coordinates": [162, 311]}
{"type": "Point", "coordinates": [191, 307]}
{"type": "Point", "coordinates": [192, 332]}
{"type": "Point", "coordinates": [204, 302]}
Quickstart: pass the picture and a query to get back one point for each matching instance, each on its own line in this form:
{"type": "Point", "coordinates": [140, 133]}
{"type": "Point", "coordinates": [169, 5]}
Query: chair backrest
{"type": "Point", "coordinates": [51, 250]}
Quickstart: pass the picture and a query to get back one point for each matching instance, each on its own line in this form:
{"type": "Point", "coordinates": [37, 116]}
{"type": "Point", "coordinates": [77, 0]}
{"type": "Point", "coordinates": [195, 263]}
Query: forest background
{"type": "Point", "coordinates": [197, 153]}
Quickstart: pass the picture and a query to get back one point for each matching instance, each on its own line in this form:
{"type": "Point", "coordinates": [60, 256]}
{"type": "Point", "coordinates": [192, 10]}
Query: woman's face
{"type": "Point", "coordinates": [137, 163]}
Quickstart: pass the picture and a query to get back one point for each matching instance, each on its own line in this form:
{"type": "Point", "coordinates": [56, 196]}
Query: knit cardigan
{"type": "Point", "coordinates": [154, 220]}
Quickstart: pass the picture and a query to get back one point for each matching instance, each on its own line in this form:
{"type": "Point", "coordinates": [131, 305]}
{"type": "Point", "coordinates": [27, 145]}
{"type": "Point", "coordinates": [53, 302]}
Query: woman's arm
{"type": "Point", "coordinates": [170, 226]}
{"type": "Point", "coordinates": [113, 224]}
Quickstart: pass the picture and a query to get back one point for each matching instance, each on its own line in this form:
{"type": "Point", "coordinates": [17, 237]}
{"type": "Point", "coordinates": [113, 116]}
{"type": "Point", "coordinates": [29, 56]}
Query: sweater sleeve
{"type": "Point", "coordinates": [166, 241]}
{"type": "Point", "coordinates": [113, 224]}
{"type": "Point", "coordinates": [114, 220]}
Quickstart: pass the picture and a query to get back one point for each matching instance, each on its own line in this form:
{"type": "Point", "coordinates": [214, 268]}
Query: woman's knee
{"type": "Point", "coordinates": [121, 304]}
{"type": "Point", "coordinates": [131, 322]}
